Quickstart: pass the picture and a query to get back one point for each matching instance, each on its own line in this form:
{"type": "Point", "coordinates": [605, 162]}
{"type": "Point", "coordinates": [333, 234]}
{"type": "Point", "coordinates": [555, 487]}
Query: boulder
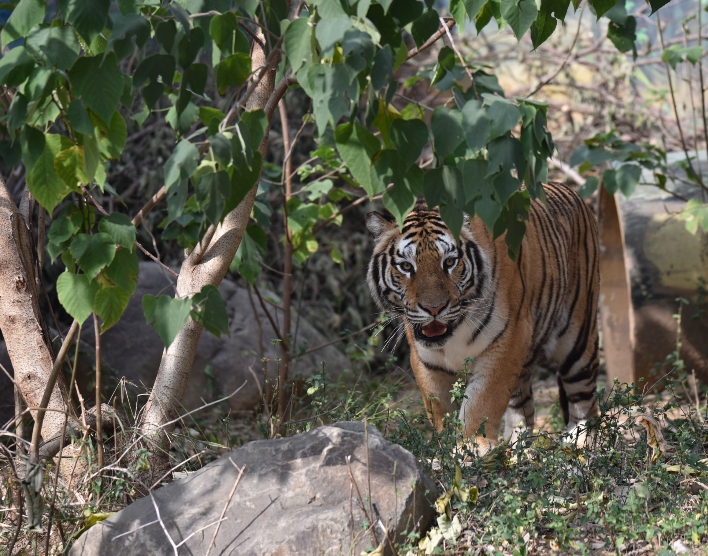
{"type": "Point", "coordinates": [297, 495]}
{"type": "Point", "coordinates": [132, 349]}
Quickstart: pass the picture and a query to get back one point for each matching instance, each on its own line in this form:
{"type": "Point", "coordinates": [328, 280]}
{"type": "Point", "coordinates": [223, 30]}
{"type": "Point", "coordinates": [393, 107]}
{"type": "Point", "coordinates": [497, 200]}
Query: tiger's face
{"type": "Point", "coordinates": [423, 274]}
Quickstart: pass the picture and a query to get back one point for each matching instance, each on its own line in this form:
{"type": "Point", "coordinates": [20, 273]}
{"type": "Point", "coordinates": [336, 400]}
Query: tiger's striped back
{"type": "Point", "coordinates": [469, 301]}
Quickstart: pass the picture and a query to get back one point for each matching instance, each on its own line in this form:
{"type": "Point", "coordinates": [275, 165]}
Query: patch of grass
{"type": "Point", "coordinates": [636, 486]}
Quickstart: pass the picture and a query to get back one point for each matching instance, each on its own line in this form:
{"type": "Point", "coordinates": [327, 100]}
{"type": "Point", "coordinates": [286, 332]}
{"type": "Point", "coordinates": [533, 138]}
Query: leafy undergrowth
{"type": "Point", "coordinates": [639, 487]}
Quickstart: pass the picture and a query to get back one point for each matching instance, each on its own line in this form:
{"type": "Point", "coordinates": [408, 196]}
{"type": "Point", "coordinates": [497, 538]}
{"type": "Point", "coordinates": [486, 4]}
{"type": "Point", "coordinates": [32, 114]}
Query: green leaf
{"type": "Point", "coordinates": [76, 294]}
{"type": "Point", "coordinates": [503, 116]}
{"type": "Point", "coordinates": [516, 216]}
{"type": "Point", "coordinates": [69, 166]}
{"type": "Point", "coordinates": [506, 153]}
{"type": "Point", "coordinates": [475, 122]}
{"type": "Point", "coordinates": [603, 6]}
{"type": "Point", "coordinates": [110, 304]}
{"type": "Point", "coordinates": [520, 14]}
{"type": "Point", "coordinates": [87, 16]}
{"type": "Point", "coordinates": [357, 145]}
{"type": "Point", "coordinates": [446, 126]}
{"type": "Point", "coordinates": [474, 182]}
{"type": "Point", "coordinates": [589, 187]}
{"type": "Point", "coordinates": [208, 309]}
{"type": "Point", "coordinates": [57, 45]}
{"type": "Point", "coordinates": [358, 49]}
{"type": "Point", "coordinates": [488, 210]}
{"type": "Point", "coordinates": [473, 7]}
{"type": "Point", "coordinates": [542, 28]}
{"type": "Point", "coordinates": [43, 182]}
{"type": "Point", "coordinates": [93, 252]}
{"type": "Point", "coordinates": [695, 214]}
{"type": "Point", "coordinates": [656, 4]}
{"type": "Point", "coordinates": [181, 164]}
{"type": "Point", "coordinates": [627, 177]}
{"type": "Point", "coordinates": [446, 63]}
{"type": "Point", "coordinates": [382, 70]}
{"type": "Point", "coordinates": [609, 181]}
{"type": "Point", "coordinates": [233, 71]}
{"type": "Point", "coordinates": [623, 36]}
{"type": "Point", "coordinates": [389, 168]}
{"type": "Point", "coordinates": [694, 54]}
{"type": "Point", "coordinates": [301, 216]}
{"type": "Point", "coordinates": [65, 225]}
{"type": "Point", "coordinates": [159, 70]}
{"type": "Point", "coordinates": [111, 139]}
{"type": "Point", "coordinates": [248, 6]}
{"type": "Point", "coordinates": [99, 82]}
{"type": "Point", "coordinates": [79, 118]}
{"type": "Point", "coordinates": [453, 216]}
{"type": "Point", "coordinates": [252, 248]}
{"type": "Point", "coordinates": [331, 31]}
{"type": "Point", "coordinates": [227, 35]}
{"type": "Point", "coordinates": [484, 16]}
{"type": "Point", "coordinates": [15, 67]}
{"type": "Point", "coordinates": [168, 314]}
{"type": "Point", "coordinates": [124, 30]}
{"type": "Point", "coordinates": [32, 142]}
{"type": "Point", "coordinates": [92, 160]}
{"type": "Point", "coordinates": [296, 42]}
{"type": "Point", "coordinates": [27, 14]}
{"type": "Point", "coordinates": [399, 200]}
{"type": "Point", "coordinates": [165, 33]}
{"type": "Point", "coordinates": [409, 136]}
{"type": "Point", "coordinates": [253, 127]}
{"type": "Point", "coordinates": [454, 189]}
{"type": "Point", "coordinates": [207, 114]}
{"type": "Point", "coordinates": [212, 191]}
{"type": "Point", "coordinates": [333, 89]}
{"type": "Point", "coordinates": [433, 187]}
{"type": "Point", "coordinates": [425, 26]}
{"type": "Point", "coordinates": [123, 270]}
{"type": "Point", "coordinates": [119, 227]}
{"type": "Point", "coordinates": [243, 179]}
{"type": "Point", "coordinates": [190, 45]}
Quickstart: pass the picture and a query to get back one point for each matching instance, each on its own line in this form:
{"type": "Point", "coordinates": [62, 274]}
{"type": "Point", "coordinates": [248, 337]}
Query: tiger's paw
{"type": "Point", "coordinates": [577, 435]}
{"type": "Point", "coordinates": [477, 447]}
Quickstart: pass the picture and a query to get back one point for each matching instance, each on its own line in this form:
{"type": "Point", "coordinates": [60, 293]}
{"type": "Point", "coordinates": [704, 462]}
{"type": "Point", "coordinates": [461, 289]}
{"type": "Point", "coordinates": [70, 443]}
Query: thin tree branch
{"type": "Point", "coordinates": [142, 213]}
{"type": "Point", "coordinates": [449, 24]}
{"type": "Point", "coordinates": [267, 313]}
{"type": "Point", "coordinates": [48, 389]}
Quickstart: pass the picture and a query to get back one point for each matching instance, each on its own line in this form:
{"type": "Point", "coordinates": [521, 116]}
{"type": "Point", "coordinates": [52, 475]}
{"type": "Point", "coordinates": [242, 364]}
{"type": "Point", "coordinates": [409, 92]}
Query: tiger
{"type": "Point", "coordinates": [470, 312]}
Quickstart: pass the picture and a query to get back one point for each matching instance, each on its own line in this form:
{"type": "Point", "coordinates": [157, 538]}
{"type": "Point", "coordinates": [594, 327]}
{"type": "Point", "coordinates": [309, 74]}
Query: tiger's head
{"type": "Point", "coordinates": [422, 273]}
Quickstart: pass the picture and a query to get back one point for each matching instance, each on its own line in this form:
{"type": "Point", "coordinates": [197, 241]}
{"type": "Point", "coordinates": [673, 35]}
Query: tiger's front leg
{"type": "Point", "coordinates": [489, 388]}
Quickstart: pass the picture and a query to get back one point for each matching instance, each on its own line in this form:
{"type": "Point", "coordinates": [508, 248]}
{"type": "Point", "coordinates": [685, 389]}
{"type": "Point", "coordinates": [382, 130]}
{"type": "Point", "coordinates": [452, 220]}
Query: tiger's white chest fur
{"type": "Point", "coordinates": [468, 341]}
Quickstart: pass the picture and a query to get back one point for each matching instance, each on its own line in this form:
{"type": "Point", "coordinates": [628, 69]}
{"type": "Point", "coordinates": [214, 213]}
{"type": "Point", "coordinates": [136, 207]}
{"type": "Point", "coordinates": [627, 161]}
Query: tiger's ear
{"type": "Point", "coordinates": [378, 224]}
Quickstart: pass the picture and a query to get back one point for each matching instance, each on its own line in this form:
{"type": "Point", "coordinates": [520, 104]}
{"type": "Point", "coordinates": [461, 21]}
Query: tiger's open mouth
{"type": "Point", "coordinates": [434, 329]}
{"type": "Point", "coordinates": [435, 332]}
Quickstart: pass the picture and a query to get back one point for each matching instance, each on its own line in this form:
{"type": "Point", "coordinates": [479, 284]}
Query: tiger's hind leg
{"type": "Point", "coordinates": [577, 378]}
{"type": "Point", "coordinates": [520, 413]}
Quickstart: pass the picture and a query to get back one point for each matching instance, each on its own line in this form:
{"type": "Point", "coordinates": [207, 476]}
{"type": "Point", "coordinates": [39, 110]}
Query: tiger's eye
{"type": "Point", "coordinates": [450, 262]}
{"type": "Point", "coordinates": [406, 266]}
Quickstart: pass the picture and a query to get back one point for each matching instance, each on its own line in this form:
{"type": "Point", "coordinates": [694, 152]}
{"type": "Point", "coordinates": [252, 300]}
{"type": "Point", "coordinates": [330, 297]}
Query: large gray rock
{"type": "Point", "coordinates": [133, 350]}
{"type": "Point", "coordinates": [296, 496]}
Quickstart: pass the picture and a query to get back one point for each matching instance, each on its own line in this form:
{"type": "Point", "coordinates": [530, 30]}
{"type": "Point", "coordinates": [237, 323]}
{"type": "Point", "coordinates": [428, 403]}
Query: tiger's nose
{"type": "Point", "coordinates": [434, 310]}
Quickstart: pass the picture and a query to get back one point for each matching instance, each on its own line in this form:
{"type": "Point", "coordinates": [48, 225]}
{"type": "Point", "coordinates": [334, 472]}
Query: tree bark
{"type": "Point", "coordinates": [206, 265]}
{"type": "Point", "coordinates": [20, 319]}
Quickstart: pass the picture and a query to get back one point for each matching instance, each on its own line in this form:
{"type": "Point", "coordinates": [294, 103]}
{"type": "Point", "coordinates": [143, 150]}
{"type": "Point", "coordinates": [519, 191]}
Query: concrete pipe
{"type": "Point", "coordinates": [647, 260]}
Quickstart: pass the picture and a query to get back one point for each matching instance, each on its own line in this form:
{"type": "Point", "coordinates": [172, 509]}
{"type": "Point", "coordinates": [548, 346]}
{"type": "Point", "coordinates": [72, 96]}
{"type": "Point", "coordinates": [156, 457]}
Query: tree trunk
{"type": "Point", "coordinates": [206, 265]}
{"type": "Point", "coordinates": [20, 319]}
